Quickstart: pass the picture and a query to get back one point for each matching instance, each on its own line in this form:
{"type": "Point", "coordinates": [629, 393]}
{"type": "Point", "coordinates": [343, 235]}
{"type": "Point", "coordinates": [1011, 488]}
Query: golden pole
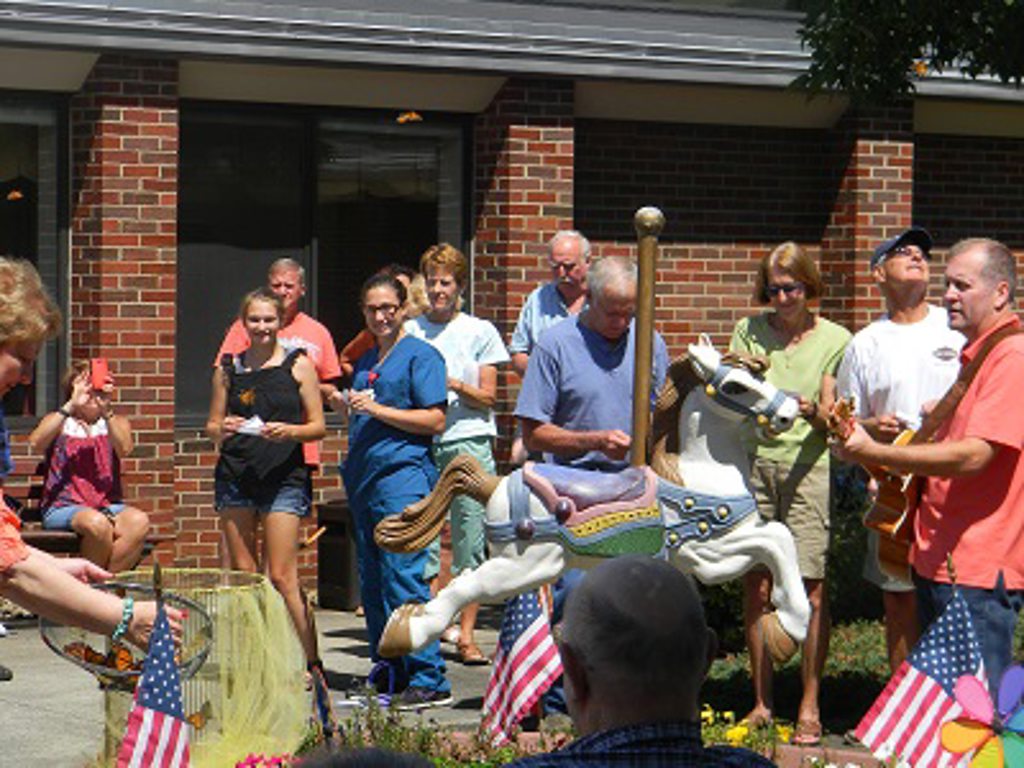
{"type": "Point", "coordinates": [649, 222]}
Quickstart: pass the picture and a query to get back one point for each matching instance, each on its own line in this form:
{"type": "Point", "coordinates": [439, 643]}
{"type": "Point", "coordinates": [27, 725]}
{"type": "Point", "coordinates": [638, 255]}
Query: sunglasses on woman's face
{"type": "Point", "coordinates": [774, 289]}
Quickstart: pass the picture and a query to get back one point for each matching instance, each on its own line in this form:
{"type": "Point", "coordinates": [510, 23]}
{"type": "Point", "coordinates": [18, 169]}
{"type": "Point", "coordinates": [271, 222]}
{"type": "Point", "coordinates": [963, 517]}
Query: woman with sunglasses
{"type": "Point", "coordinates": [395, 408]}
{"type": "Point", "coordinates": [790, 472]}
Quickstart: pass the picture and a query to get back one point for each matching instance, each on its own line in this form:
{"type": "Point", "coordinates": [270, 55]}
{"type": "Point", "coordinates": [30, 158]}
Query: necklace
{"type": "Point", "coordinates": [382, 357]}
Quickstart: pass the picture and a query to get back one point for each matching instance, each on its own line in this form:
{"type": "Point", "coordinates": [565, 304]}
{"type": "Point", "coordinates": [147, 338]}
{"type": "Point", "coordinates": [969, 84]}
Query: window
{"type": "Point", "coordinates": [33, 222]}
{"type": "Point", "coordinates": [240, 207]}
{"type": "Point", "coordinates": [343, 197]}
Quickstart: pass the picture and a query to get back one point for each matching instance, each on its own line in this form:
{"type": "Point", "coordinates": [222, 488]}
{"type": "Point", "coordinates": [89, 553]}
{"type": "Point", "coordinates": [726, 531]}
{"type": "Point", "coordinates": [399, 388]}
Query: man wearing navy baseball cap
{"type": "Point", "coordinates": [896, 246]}
{"type": "Point", "coordinates": [892, 368]}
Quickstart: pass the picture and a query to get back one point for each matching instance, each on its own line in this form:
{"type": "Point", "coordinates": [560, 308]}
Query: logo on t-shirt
{"type": "Point", "coordinates": [946, 354]}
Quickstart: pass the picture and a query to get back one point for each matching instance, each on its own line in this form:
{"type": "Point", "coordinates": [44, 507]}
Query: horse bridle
{"type": "Point", "coordinates": [764, 414]}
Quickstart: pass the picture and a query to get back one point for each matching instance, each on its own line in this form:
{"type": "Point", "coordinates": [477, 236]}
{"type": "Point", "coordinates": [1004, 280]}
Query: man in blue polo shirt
{"type": "Point", "coordinates": [576, 402]}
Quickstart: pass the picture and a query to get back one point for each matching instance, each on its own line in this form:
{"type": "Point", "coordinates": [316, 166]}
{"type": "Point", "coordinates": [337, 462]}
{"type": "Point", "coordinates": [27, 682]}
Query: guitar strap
{"type": "Point", "coordinates": [945, 407]}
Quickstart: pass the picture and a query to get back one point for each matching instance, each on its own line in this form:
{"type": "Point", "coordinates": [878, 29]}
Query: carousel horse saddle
{"type": "Point", "coordinates": [593, 514]}
{"type": "Point", "coordinates": [586, 488]}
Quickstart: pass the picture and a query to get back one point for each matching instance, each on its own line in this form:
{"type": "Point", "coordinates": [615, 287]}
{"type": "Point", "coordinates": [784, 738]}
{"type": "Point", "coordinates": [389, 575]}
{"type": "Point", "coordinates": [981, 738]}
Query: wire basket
{"type": "Point", "coordinates": [118, 664]}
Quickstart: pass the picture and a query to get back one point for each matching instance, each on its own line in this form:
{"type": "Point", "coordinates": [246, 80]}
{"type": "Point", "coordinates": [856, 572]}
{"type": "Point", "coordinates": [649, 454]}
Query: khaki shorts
{"type": "Point", "coordinates": [797, 495]}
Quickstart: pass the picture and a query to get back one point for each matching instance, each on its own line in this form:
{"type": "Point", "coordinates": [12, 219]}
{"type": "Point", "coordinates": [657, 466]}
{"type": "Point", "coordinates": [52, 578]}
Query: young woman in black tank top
{"type": "Point", "coordinates": [265, 403]}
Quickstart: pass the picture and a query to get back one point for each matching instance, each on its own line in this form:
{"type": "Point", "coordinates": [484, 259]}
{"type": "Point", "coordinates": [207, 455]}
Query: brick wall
{"type": "Point", "coordinates": [124, 133]}
{"type": "Point", "coordinates": [970, 187]}
{"type": "Point", "coordinates": [523, 194]}
{"type": "Point", "coordinates": [873, 158]}
{"type": "Point", "coordinates": [729, 195]}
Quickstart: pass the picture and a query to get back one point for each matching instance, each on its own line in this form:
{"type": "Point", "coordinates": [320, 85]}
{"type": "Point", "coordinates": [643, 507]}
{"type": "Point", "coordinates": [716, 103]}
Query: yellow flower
{"type": "Point", "coordinates": [707, 715]}
{"type": "Point", "coordinates": [736, 734]}
{"type": "Point", "coordinates": [729, 717]}
{"type": "Point", "coordinates": [784, 732]}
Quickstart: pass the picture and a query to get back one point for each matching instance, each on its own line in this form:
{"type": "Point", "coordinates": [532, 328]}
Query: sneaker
{"type": "Point", "coordinates": [382, 678]}
{"type": "Point", "coordinates": [415, 698]}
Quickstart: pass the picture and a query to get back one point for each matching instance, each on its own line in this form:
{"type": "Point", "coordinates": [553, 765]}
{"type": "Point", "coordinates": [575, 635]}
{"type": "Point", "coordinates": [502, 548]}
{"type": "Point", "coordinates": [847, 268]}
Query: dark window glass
{"type": "Point", "coordinates": [29, 226]}
{"type": "Point", "coordinates": [240, 207]}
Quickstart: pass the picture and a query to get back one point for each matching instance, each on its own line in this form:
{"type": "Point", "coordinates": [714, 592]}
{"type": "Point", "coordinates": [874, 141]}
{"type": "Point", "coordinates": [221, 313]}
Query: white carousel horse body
{"type": "Point", "coordinates": [714, 462]}
{"type": "Point", "coordinates": [711, 459]}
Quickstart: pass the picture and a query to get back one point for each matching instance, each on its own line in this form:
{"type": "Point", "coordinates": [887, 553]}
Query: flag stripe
{"type": "Point", "coordinates": [156, 733]}
{"type": "Point", "coordinates": [525, 665]}
{"type": "Point", "coordinates": [906, 720]}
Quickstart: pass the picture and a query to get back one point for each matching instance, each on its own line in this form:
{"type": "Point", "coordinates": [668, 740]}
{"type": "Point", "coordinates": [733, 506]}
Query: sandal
{"type": "Point", "coordinates": [807, 733]}
{"type": "Point", "coordinates": [472, 656]}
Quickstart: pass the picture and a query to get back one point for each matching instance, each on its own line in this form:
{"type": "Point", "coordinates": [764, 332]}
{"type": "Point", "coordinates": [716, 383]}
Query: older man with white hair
{"type": "Point", "coordinates": [636, 648]}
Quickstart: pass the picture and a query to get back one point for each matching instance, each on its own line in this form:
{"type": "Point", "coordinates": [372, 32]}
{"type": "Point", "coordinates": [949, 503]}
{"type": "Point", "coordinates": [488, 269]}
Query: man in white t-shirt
{"type": "Point", "coordinates": [893, 368]}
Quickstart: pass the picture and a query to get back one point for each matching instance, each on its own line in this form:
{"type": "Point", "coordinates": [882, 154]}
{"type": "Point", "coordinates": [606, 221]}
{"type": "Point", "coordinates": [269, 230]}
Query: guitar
{"type": "Point", "coordinates": [894, 509]}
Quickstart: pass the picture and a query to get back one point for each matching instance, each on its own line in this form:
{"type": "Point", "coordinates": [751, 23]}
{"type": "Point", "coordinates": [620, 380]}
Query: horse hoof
{"type": "Point", "coordinates": [396, 639]}
{"type": "Point", "coordinates": [780, 646]}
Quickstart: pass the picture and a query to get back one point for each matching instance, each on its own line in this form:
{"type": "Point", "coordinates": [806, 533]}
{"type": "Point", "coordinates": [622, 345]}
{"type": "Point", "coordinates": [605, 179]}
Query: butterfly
{"type": "Point", "coordinates": [997, 737]}
{"type": "Point", "coordinates": [199, 718]}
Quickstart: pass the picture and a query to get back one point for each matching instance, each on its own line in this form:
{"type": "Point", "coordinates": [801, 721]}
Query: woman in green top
{"type": "Point", "coordinates": [790, 473]}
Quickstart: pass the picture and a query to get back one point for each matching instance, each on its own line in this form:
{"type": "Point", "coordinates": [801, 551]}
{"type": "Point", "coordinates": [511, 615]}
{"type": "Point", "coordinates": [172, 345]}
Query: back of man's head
{"type": "Point", "coordinates": [637, 627]}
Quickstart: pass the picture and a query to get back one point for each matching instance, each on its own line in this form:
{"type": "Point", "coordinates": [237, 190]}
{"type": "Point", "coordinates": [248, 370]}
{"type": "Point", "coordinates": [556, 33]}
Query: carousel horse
{"type": "Point", "coordinates": [692, 506]}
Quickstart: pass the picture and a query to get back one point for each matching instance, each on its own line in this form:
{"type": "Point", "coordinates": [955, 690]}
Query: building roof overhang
{"type": "Point", "coordinates": [636, 40]}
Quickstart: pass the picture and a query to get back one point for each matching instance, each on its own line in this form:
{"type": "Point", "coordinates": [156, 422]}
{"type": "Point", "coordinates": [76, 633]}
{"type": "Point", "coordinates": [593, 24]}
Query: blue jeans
{"type": "Point", "coordinates": [993, 614]}
{"type": "Point", "coordinates": [387, 581]}
{"type": "Point", "coordinates": [59, 518]}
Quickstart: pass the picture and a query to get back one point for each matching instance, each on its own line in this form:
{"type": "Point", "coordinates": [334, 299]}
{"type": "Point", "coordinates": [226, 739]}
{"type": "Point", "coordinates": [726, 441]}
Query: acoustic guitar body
{"type": "Point", "coordinates": [893, 514]}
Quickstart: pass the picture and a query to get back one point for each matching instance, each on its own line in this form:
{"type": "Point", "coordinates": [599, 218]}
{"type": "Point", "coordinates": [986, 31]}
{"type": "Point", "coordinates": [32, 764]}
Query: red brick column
{"type": "Point", "coordinates": [124, 127]}
{"type": "Point", "coordinates": [524, 150]}
{"type": "Point", "coordinates": [874, 200]}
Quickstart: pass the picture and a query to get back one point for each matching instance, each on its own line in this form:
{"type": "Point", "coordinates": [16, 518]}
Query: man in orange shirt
{"type": "Point", "coordinates": [971, 509]}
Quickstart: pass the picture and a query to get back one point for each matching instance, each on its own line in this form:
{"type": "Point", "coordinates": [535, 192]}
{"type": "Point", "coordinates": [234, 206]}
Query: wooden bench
{"type": "Point", "coordinates": [24, 493]}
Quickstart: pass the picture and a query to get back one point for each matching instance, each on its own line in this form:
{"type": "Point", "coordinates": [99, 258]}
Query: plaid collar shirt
{"type": "Point", "coordinates": [658, 745]}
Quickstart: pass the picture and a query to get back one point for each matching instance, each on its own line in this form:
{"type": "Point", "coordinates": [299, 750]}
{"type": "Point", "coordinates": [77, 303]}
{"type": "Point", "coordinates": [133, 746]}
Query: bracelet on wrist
{"type": "Point", "coordinates": [64, 412]}
{"type": "Point", "coordinates": [127, 612]}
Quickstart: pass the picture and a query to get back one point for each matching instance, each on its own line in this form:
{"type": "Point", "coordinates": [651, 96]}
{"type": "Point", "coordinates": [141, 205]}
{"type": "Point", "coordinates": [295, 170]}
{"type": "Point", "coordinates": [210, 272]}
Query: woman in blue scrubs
{"type": "Point", "coordinates": [396, 406]}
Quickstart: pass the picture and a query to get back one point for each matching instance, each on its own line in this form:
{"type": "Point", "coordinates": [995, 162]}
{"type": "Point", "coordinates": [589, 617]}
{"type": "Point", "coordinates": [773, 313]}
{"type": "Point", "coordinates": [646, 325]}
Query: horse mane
{"type": "Point", "coordinates": [679, 381]}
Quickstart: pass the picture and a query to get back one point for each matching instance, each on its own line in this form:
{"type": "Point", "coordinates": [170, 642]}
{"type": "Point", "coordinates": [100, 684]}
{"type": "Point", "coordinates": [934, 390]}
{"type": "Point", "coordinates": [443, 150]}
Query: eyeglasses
{"type": "Point", "coordinates": [774, 289]}
{"type": "Point", "coordinates": [910, 251]}
{"type": "Point", "coordinates": [384, 309]}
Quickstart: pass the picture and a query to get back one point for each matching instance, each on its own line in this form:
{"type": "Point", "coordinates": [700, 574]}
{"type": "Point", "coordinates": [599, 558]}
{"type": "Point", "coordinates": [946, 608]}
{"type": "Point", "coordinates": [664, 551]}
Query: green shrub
{"type": "Point", "coordinates": [850, 597]}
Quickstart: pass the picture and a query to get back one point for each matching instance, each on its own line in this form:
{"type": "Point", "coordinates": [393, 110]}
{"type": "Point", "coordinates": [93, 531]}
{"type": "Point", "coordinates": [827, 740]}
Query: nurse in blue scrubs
{"type": "Point", "coordinates": [396, 406]}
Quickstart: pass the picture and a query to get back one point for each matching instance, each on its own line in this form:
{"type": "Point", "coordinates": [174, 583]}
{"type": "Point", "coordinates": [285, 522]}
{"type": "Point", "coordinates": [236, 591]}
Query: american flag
{"type": "Point", "coordinates": [907, 718]}
{"type": "Point", "coordinates": [157, 734]}
{"type": "Point", "coordinates": [525, 665]}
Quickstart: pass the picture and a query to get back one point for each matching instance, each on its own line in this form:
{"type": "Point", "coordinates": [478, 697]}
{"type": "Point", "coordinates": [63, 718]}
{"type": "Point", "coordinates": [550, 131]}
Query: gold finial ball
{"type": "Point", "coordinates": [649, 221]}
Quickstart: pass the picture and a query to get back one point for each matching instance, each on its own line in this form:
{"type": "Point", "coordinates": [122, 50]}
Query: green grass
{"type": "Point", "coordinates": [855, 673]}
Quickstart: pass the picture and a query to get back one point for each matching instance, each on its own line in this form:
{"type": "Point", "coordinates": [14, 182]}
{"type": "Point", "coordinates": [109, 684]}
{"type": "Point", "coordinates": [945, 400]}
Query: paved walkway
{"type": "Point", "coordinates": [51, 713]}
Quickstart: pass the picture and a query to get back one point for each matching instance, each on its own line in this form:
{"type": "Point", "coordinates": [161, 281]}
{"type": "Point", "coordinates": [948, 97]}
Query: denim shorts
{"type": "Point", "coordinates": [59, 518]}
{"type": "Point", "coordinates": [264, 498]}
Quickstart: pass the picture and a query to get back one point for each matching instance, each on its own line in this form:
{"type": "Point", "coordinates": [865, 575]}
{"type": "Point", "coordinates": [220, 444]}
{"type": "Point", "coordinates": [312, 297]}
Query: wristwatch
{"type": "Point", "coordinates": [64, 412]}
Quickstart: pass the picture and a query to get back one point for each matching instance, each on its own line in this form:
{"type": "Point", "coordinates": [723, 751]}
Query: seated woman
{"type": "Point", "coordinates": [83, 443]}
